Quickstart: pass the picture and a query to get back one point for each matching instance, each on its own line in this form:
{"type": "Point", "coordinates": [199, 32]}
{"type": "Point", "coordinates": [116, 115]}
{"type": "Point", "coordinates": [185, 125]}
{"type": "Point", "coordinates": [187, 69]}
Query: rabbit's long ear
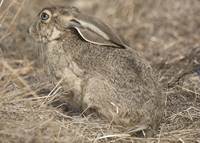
{"type": "Point", "coordinates": [95, 31]}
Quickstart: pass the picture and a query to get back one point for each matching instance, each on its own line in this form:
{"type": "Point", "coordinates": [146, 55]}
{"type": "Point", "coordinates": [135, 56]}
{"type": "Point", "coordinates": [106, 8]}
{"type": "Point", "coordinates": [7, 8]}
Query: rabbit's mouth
{"type": "Point", "coordinates": [44, 35]}
{"type": "Point", "coordinates": [33, 33]}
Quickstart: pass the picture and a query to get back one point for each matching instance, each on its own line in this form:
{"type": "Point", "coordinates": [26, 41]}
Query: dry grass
{"type": "Point", "coordinates": [166, 33]}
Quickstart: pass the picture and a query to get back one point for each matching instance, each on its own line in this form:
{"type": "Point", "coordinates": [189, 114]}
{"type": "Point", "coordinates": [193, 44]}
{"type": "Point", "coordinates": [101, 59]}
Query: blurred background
{"type": "Point", "coordinates": [165, 32]}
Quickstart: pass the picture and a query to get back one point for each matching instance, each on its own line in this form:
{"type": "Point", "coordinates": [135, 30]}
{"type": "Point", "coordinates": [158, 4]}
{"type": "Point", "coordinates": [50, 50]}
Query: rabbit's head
{"type": "Point", "coordinates": [53, 22]}
{"type": "Point", "coordinates": [50, 23]}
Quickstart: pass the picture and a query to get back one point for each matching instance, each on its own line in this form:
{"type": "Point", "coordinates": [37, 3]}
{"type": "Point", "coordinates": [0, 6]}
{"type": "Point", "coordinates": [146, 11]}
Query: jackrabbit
{"type": "Point", "coordinates": [97, 65]}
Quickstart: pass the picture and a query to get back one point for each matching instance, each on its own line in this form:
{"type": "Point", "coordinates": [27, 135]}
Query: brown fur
{"type": "Point", "coordinates": [117, 83]}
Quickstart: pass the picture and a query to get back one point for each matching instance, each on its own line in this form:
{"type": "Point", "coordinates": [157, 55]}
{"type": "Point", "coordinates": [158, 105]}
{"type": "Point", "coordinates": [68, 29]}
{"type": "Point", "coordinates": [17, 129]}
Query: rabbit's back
{"type": "Point", "coordinates": [124, 68]}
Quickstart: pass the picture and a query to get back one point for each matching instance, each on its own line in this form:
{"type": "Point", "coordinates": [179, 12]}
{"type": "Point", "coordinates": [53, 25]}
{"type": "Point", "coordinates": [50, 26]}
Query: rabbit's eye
{"type": "Point", "coordinates": [44, 16]}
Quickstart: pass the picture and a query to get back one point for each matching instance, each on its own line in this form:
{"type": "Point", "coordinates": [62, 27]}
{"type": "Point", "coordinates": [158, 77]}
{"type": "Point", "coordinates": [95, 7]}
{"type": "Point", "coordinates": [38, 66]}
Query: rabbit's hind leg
{"type": "Point", "coordinates": [100, 97]}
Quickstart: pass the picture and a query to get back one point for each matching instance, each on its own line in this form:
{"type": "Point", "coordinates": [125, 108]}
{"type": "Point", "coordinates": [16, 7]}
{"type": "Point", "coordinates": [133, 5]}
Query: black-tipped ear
{"type": "Point", "coordinates": [95, 31]}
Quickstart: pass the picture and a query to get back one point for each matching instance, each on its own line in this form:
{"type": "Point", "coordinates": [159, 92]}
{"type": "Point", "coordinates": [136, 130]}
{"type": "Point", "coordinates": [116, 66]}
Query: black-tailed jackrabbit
{"type": "Point", "coordinates": [99, 68]}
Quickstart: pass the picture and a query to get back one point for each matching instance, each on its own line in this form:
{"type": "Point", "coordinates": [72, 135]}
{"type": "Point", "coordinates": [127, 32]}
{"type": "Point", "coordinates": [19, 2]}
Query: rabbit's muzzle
{"type": "Point", "coordinates": [33, 32]}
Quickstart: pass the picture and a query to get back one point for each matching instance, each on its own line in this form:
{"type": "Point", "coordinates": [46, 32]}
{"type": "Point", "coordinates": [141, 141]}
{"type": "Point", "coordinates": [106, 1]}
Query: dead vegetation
{"type": "Point", "coordinates": [166, 33]}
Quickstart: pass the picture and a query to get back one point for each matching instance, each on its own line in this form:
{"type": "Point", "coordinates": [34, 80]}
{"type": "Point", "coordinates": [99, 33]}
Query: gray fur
{"type": "Point", "coordinates": [116, 83]}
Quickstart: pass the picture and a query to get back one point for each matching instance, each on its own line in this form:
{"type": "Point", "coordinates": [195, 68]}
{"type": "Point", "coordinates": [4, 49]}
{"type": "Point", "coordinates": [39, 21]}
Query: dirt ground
{"type": "Point", "coordinates": [165, 32]}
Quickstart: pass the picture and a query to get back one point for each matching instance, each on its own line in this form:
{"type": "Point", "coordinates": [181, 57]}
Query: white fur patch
{"type": "Point", "coordinates": [55, 34]}
{"type": "Point", "coordinates": [94, 28]}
